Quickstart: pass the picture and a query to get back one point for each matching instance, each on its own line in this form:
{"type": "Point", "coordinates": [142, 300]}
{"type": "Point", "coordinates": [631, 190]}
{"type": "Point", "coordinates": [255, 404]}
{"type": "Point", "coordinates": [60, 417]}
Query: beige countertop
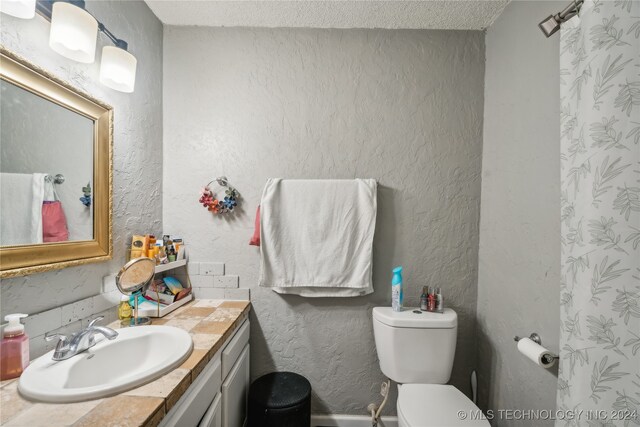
{"type": "Point", "coordinates": [210, 323]}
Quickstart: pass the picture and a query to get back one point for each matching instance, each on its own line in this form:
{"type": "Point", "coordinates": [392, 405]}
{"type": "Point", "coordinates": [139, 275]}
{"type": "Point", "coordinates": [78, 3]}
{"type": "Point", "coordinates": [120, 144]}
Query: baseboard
{"type": "Point", "coordinates": [350, 421]}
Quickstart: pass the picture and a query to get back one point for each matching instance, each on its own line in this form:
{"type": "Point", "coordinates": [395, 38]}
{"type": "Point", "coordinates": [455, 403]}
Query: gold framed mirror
{"type": "Point", "coordinates": [55, 172]}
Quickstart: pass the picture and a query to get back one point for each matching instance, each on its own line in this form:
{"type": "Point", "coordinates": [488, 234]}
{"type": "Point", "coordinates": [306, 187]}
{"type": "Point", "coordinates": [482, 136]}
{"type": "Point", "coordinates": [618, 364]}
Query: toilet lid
{"type": "Point", "coordinates": [437, 405]}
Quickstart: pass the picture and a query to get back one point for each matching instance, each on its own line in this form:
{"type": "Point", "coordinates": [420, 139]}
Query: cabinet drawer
{"type": "Point", "coordinates": [191, 407]}
{"type": "Point", "coordinates": [232, 351]}
{"type": "Point", "coordinates": [235, 391]}
{"type": "Point", "coordinates": [213, 416]}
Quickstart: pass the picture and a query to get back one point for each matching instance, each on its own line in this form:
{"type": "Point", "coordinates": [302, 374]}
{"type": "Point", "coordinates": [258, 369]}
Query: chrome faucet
{"type": "Point", "coordinates": [68, 347]}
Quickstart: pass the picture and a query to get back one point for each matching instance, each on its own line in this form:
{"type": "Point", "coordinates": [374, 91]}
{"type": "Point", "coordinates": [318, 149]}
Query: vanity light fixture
{"type": "Point", "coordinates": [25, 9]}
{"type": "Point", "coordinates": [74, 34]}
{"type": "Point", "coordinates": [118, 69]}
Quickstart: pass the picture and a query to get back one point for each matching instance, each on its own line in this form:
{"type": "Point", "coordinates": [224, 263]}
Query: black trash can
{"type": "Point", "coordinates": [280, 399]}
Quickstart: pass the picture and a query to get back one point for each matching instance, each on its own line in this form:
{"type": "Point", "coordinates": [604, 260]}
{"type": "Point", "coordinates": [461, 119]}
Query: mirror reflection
{"type": "Point", "coordinates": [46, 170]}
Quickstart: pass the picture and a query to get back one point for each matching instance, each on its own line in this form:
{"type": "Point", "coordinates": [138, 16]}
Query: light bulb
{"type": "Point", "coordinates": [25, 9]}
{"type": "Point", "coordinates": [118, 69]}
{"type": "Point", "coordinates": [74, 32]}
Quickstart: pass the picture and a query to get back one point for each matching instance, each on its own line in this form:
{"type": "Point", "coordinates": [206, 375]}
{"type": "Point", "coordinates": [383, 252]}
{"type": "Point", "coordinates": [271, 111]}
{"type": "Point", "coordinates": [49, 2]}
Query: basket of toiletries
{"type": "Point", "coordinates": [170, 287]}
{"type": "Point", "coordinates": [163, 296]}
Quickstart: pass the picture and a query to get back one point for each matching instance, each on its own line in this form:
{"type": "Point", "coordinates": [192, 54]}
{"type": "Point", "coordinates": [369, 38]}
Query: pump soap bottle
{"type": "Point", "coordinates": [14, 348]}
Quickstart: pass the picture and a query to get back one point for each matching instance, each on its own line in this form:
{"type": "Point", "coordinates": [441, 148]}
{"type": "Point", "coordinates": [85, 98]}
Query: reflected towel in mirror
{"type": "Point", "coordinates": [54, 223]}
{"type": "Point", "coordinates": [21, 208]}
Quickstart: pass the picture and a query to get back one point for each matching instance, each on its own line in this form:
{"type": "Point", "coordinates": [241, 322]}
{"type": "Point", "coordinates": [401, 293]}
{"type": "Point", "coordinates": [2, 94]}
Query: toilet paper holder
{"type": "Point", "coordinates": [535, 337]}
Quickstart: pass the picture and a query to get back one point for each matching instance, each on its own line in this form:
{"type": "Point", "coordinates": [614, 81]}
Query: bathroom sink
{"type": "Point", "coordinates": [136, 356]}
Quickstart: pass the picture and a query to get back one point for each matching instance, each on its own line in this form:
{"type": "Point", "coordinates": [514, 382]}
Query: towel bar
{"type": "Point", "coordinates": [58, 179]}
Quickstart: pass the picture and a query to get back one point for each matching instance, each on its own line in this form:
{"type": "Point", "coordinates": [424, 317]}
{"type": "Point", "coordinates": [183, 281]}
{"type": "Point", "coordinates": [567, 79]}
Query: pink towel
{"type": "Point", "coordinates": [54, 223]}
{"type": "Point", "coordinates": [255, 239]}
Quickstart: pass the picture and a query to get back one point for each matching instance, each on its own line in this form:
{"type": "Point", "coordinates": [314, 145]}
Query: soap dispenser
{"type": "Point", "coordinates": [14, 348]}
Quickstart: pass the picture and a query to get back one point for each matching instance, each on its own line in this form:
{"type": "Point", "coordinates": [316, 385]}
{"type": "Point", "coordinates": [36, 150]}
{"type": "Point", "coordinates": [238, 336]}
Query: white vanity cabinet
{"type": "Point", "coordinates": [213, 416]}
{"type": "Point", "coordinates": [235, 390]}
{"type": "Point", "coordinates": [218, 396]}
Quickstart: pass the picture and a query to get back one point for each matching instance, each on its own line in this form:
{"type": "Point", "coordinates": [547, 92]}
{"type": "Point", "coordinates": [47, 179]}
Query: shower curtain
{"type": "Point", "coordinates": [600, 217]}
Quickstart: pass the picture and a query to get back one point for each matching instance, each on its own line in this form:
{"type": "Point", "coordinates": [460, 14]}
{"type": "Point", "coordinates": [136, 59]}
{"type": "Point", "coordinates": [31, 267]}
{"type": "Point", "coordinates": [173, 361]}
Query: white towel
{"type": "Point", "coordinates": [316, 236]}
{"type": "Point", "coordinates": [21, 208]}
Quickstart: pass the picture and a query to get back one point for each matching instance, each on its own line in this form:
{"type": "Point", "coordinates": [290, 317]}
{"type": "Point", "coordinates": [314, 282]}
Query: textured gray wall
{"type": "Point", "coordinates": [403, 107]}
{"type": "Point", "coordinates": [519, 257]}
{"type": "Point", "coordinates": [137, 160]}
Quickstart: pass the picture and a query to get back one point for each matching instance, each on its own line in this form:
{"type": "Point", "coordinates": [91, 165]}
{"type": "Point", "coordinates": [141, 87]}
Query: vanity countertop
{"type": "Point", "coordinates": [210, 323]}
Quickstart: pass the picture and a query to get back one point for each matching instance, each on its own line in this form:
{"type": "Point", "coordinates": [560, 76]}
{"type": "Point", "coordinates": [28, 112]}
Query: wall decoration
{"type": "Point", "coordinates": [86, 198]}
{"type": "Point", "coordinates": [224, 201]}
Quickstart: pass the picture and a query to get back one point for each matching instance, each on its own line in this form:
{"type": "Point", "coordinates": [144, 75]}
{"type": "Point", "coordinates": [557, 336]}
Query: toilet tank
{"type": "Point", "coordinates": [415, 346]}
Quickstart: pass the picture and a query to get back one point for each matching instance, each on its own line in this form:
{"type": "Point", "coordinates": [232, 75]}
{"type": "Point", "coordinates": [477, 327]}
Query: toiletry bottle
{"type": "Point", "coordinates": [124, 309]}
{"type": "Point", "coordinates": [439, 300]}
{"type": "Point", "coordinates": [431, 300]}
{"type": "Point", "coordinates": [423, 299]}
{"type": "Point", "coordinates": [396, 289]}
{"type": "Point", "coordinates": [14, 348]}
{"type": "Point", "coordinates": [162, 256]}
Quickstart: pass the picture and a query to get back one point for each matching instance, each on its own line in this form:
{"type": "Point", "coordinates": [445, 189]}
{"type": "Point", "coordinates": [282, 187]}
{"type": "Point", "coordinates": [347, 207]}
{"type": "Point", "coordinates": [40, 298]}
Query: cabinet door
{"type": "Point", "coordinates": [192, 406]}
{"type": "Point", "coordinates": [213, 416]}
{"type": "Point", "coordinates": [232, 351]}
{"type": "Point", "coordinates": [235, 390]}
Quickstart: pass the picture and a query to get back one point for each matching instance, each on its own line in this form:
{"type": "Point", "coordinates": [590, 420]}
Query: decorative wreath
{"type": "Point", "coordinates": [218, 205]}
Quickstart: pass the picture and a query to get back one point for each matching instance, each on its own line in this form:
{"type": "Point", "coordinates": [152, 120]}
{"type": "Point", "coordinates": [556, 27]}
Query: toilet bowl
{"type": "Point", "coordinates": [436, 405]}
{"type": "Point", "coordinates": [416, 350]}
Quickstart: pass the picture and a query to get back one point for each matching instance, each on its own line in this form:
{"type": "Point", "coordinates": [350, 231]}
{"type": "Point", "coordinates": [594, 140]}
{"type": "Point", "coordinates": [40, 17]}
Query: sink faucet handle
{"type": "Point", "coordinates": [96, 320]}
{"type": "Point", "coordinates": [51, 337]}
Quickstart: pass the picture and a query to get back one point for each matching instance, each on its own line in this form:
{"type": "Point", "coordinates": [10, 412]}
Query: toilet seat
{"type": "Point", "coordinates": [436, 405]}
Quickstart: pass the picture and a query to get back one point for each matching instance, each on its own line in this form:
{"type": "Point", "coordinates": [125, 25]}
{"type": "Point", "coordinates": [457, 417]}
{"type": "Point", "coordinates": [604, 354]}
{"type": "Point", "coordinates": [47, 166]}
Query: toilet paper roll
{"type": "Point", "coordinates": [536, 353]}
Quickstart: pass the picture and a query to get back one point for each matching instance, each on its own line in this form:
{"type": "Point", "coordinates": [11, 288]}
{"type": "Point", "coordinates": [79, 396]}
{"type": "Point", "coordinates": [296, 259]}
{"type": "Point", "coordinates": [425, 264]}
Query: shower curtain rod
{"type": "Point", "coordinates": [552, 23]}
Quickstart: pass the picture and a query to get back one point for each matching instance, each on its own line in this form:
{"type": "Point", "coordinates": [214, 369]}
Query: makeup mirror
{"type": "Point", "coordinates": [132, 279]}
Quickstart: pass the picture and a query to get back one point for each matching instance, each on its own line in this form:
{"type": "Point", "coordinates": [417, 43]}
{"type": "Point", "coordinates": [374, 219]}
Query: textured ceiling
{"type": "Point", "coordinates": [428, 14]}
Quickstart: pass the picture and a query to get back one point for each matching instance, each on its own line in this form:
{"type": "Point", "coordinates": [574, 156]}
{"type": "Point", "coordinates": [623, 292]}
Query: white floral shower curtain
{"type": "Point", "coordinates": [600, 182]}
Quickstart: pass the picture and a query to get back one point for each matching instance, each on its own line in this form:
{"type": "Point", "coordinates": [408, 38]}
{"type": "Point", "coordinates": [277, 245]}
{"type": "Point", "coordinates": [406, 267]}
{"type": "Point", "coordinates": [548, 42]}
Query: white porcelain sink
{"type": "Point", "coordinates": [136, 356]}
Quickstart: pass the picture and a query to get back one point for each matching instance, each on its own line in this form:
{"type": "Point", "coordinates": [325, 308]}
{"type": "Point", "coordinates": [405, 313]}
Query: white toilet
{"type": "Point", "coordinates": [416, 350]}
